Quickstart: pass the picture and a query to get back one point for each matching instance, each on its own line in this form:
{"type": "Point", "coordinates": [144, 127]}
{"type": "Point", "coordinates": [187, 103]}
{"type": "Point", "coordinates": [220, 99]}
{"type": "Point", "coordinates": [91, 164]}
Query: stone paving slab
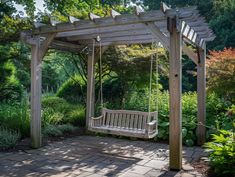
{"type": "Point", "coordinates": [95, 156]}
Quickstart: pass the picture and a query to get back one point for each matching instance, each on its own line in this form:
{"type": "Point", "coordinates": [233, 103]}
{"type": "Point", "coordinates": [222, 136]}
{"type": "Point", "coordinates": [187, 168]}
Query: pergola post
{"type": "Point", "coordinates": [39, 47]}
{"type": "Point", "coordinates": [36, 82]}
{"type": "Point", "coordinates": [90, 101]}
{"type": "Point", "coordinates": [201, 96]}
{"type": "Point", "coordinates": [175, 79]}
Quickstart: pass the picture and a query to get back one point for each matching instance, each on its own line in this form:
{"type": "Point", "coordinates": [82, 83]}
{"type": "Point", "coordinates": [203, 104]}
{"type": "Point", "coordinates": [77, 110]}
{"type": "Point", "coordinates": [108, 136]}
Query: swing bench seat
{"type": "Point", "coordinates": [125, 123]}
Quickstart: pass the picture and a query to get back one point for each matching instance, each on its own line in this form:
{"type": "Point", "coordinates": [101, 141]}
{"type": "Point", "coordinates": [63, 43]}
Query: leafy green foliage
{"type": "Point", "coordinates": [77, 116]}
{"type": "Point", "coordinates": [218, 116]}
{"type": "Point", "coordinates": [80, 9]}
{"type": "Point", "coordinates": [10, 87]}
{"type": "Point", "coordinates": [8, 138]}
{"type": "Point", "coordinates": [222, 152]}
{"type": "Point", "coordinates": [58, 111]}
{"type": "Point", "coordinates": [73, 90]}
{"type": "Point", "coordinates": [66, 128]}
{"type": "Point", "coordinates": [57, 130]}
{"type": "Point", "coordinates": [15, 117]}
{"type": "Point", "coordinates": [51, 130]}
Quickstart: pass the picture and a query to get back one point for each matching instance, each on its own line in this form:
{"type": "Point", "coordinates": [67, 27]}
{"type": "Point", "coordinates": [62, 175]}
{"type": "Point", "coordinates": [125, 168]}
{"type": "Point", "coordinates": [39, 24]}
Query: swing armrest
{"type": "Point", "coordinates": [152, 123]}
{"type": "Point", "coordinates": [151, 126]}
{"type": "Point", "coordinates": [96, 118]}
{"type": "Point", "coordinates": [95, 121]}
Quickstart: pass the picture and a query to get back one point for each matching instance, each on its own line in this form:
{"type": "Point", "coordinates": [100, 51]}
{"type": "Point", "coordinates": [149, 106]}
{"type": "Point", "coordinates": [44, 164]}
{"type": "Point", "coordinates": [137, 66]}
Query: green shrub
{"type": "Point", "coordinates": [73, 90]}
{"type": "Point", "coordinates": [8, 138]}
{"type": "Point", "coordinates": [222, 153]}
{"type": "Point", "coordinates": [56, 103]}
{"type": "Point", "coordinates": [51, 131]}
{"type": "Point", "coordinates": [50, 116]}
{"type": "Point", "coordinates": [77, 116]}
{"type": "Point", "coordinates": [58, 111]}
{"type": "Point", "coordinates": [10, 88]}
{"type": "Point", "coordinates": [66, 128]}
{"type": "Point", "coordinates": [217, 116]}
{"type": "Point", "coordinates": [16, 117]}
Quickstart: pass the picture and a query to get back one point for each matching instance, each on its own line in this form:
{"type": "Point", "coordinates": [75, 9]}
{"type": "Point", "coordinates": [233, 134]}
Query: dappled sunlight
{"type": "Point", "coordinates": [87, 155]}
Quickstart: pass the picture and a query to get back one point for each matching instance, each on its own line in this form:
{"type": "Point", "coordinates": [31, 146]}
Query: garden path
{"type": "Point", "coordinates": [97, 156]}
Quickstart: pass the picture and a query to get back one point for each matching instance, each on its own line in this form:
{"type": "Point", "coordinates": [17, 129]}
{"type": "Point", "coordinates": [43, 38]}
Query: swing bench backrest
{"type": "Point", "coordinates": [127, 119]}
{"type": "Point", "coordinates": [126, 123]}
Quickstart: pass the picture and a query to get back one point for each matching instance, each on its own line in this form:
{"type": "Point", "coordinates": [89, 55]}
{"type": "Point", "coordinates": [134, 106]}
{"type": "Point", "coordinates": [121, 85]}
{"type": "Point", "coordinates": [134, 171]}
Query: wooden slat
{"type": "Point", "coordinates": [103, 22]}
{"type": "Point", "coordinates": [136, 116]}
{"type": "Point", "coordinates": [38, 24]}
{"type": "Point", "coordinates": [132, 121]}
{"type": "Point", "coordinates": [128, 116]}
{"type": "Point", "coordinates": [64, 49]}
{"type": "Point", "coordinates": [123, 121]}
{"type": "Point", "coordinates": [190, 53]}
{"type": "Point", "coordinates": [116, 120]}
{"type": "Point", "coordinates": [104, 116]}
{"type": "Point", "coordinates": [112, 120]}
{"type": "Point", "coordinates": [158, 34]}
{"type": "Point", "coordinates": [138, 10]}
{"type": "Point", "coordinates": [97, 31]}
{"type": "Point", "coordinates": [73, 19]}
{"type": "Point", "coordinates": [111, 34]}
{"type": "Point", "coordinates": [45, 44]}
{"type": "Point", "coordinates": [145, 118]}
{"type": "Point", "coordinates": [53, 21]}
{"type": "Point", "coordinates": [107, 123]}
{"type": "Point", "coordinates": [93, 16]}
{"type": "Point", "coordinates": [119, 120]}
{"type": "Point", "coordinates": [66, 44]}
{"type": "Point", "coordinates": [140, 122]}
{"type": "Point", "coordinates": [114, 13]}
{"type": "Point", "coordinates": [164, 7]}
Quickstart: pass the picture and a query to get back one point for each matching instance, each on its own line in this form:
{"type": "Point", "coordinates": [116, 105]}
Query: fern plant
{"type": "Point", "coordinates": [222, 152]}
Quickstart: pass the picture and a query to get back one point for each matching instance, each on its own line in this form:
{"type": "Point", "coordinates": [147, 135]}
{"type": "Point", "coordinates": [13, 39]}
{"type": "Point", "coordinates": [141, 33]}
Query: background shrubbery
{"type": "Point", "coordinates": [58, 117]}
{"type": "Point", "coordinates": [58, 111]}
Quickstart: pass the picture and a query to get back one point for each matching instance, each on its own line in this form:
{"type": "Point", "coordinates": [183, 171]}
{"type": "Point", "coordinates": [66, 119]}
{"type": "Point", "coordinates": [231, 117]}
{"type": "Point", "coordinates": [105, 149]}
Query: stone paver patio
{"type": "Point", "coordinates": [95, 157]}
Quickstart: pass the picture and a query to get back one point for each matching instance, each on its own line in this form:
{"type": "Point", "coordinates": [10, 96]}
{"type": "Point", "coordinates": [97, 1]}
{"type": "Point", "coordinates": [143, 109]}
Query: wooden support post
{"type": "Point", "coordinates": [36, 79]}
{"type": "Point", "coordinates": [38, 51]}
{"type": "Point", "coordinates": [90, 102]}
{"type": "Point", "coordinates": [175, 80]}
{"type": "Point", "coordinates": [201, 96]}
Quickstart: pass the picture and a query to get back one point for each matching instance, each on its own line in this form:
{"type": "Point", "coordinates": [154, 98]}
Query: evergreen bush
{"type": "Point", "coordinates": [8, 138]}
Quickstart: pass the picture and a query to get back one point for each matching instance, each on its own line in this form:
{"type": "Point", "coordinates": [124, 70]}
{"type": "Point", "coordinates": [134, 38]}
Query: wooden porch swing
{"type": "Point", "coordinates": [128, 123]}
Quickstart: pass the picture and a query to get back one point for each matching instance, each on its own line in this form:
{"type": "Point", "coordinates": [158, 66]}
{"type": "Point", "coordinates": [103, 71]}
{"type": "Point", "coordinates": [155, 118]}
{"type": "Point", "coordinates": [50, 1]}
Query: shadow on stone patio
{"type": "Point", "coordinates": [93, 156]}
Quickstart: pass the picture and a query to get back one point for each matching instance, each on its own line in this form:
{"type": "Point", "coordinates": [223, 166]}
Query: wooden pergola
{"type": "Point", "coordinates": [175, 29]}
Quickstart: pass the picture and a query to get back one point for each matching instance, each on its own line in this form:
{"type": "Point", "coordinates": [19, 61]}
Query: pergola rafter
{"type": "Point", "coordinates": [175, 29]}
